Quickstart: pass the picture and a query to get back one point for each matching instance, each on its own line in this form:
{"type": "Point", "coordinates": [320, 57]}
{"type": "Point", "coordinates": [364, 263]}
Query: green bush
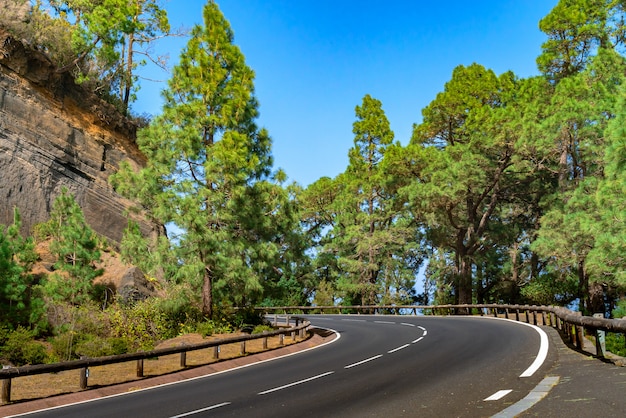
{"type": "Point", "coordinates": [20, 348]}
{"type": "Point", "coordinates": [616, 344]}
{"type": "Point", "coordinates": [64, 346]}
{"type": "Point", "coordinates": [259, 329]}
{"type": "Point", "coordinates": [95, 346]}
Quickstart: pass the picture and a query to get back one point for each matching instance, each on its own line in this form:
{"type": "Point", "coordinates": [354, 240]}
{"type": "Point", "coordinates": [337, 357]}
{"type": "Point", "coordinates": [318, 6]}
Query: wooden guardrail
{"type": "Point", "coordinates": [8, 373]}
{"type": "Point", "coordinates": [573, 324]}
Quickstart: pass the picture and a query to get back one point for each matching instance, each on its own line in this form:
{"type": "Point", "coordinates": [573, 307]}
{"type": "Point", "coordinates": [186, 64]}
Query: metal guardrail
{"type": "Point", "coordinates": [8, 373]}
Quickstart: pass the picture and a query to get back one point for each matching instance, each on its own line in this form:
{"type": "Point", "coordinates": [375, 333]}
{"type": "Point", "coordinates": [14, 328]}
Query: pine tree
{"type": "Point", "coordinates": [209, 170]}
{"type": "Point", "coordinates": [75, 246]}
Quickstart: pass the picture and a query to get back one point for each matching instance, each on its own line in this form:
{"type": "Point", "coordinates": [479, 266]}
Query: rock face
{"type": "Point", "coordinates": [134, 286]}
{"type": "Point", "coordinates": [53, 134]}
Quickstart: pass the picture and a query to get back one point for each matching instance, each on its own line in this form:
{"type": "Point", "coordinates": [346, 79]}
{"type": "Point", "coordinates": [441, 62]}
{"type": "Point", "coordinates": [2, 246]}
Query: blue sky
{"type": "Point", "coordinates": [315, 60]}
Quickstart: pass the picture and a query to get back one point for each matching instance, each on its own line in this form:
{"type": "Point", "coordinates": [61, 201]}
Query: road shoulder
{"type": "Point", "coordinates": [319, 337]}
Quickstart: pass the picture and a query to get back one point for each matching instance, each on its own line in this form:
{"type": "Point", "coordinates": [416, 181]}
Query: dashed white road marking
{"type": "Point", "coordinates": [398, 348]}
{"type": "Point", "coordinates": [417, 341]}
{"type": "Point", "coordinates": [408, 325]}
{"type": "Point", "coordinates": [353, 320]}
{"type": "Point", "coordinates": [198, 411]}
{"type": "Point", "coordinates": [384, 322]}
{"type": "Point", "coordinates": [363, 361]}
{"type": "Point", "coordinates": [498, 395]}
{"type": "Point", "coordinates": [319, 376]}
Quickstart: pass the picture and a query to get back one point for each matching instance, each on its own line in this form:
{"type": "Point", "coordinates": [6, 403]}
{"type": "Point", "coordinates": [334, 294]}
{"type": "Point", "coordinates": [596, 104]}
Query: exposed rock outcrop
{"type": "Point", "coordinates": [53, 134]}
{"type": "Point", "coordinates": [134, 286]}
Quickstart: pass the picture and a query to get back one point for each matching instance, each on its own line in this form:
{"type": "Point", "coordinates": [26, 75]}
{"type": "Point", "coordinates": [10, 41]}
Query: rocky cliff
{"type": "Point", "coordinates": [53, 134]}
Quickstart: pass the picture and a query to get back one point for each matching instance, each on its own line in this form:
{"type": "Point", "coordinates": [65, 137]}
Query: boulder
{"type": "Point", "coordinates": [134, 286]}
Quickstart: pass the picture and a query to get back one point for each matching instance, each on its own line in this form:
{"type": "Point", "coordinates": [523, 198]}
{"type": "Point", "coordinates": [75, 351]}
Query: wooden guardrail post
{"type": "Point", "coordinates": [600, 339]}
{"type": "Point", "coordinates": [517, 315]}
{"type": "Point", "coordinates": [84, 375]}
{"type": "Point", "coordinates": [183, 359]}
{"type": "Point", "coordinates": [242, 348]}
{"type": "Point", "coordinates": [281, 339]}
{"type": "Point", "coordinates": [5, 398]}
{"type": "Point", "coordinates": [216, 352]}
{"type": "Point", "coordinates": [140, 367]}
{"type": "Point", "coordinates": [580, 335]}
{"type": "Point", "coordinates": [265, 343]}
{"type": "Point", "coordinates": [527, 318]}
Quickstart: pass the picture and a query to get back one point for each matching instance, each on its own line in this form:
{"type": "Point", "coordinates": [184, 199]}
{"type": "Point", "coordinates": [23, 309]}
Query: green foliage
{"type": "Point", "coordinates": [19, 348]}
{"type": "Point", "coordinates": [616, 344]}
{"type": "Point", "coordinates": [19, 303]}
{"type": "Point", "coordinates": [260, 329]}
{"type": "Point", "coordinates": [102, 43]}
{"type": "Point", "coordinates": [209, 173]}
{"type": "Point", "coordinates": [142, 325]}
{"type": "Point", "coordinates": [75, 246]}
{"type": "Point", "coordinates": [96, 346]}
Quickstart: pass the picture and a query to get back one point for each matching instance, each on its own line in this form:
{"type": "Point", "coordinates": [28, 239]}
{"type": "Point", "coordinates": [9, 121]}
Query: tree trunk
{"type": "Point", "coordinates": [207, 294]}
{"type": "Point", "coordinates": [465, 283]}
{"type": "Point", "coordinates": [596, 299]}
{"type": "Point", "coordinates": [583, 288]}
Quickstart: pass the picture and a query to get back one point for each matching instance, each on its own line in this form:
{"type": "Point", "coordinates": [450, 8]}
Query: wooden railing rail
{"type": "Point", "coordinates": [574, 318]}
{"type": "Point", "coordinates": [7, 373]}
{"type": "Point", "coordinates": [573, 324]}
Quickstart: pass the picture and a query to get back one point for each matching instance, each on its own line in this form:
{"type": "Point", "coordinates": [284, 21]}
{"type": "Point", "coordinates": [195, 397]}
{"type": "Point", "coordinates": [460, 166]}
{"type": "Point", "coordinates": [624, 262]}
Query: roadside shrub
{"type": "Point", "coordinates": [259, 329]}
{"type": "Point", "coordinates": [142, 325]}
{"type": "Point", "coordinates": [64, 346]}
{"type": "Point", "coordinates": [20, 348]}
{"type": "Point", "coordinates": [616, 343]}
{"type": "Point", "coordinates": [95, 346]}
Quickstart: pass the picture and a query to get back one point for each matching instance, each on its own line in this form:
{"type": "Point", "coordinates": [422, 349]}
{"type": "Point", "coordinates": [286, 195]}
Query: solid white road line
{"type": "Point", "coordinates": [498, 395]}
{"type": "Point", "coordinates": [363, 361]}
{"type": "Point", "coordinates": [543, 346]}
{"type": "Point", "coordinates": [398, 348]}
{"type": "Point", "coordinates": [541, 356]}
{"type": "Point", "coordinates": [198, 411]}
{"type": "Point", "coordinates": [295, 383]}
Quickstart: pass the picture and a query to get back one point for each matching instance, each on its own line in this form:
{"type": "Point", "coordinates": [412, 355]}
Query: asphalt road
{"type": "Point", "coordinates": [379, 366]}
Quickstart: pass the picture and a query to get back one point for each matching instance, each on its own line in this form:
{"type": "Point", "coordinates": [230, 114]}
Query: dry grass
{"type": "Point", "coordinates": [45, 385]}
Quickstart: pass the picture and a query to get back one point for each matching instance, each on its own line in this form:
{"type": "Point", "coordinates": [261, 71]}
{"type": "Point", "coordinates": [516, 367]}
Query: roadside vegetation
{"type": "Point", "coordinates": [510, 190]}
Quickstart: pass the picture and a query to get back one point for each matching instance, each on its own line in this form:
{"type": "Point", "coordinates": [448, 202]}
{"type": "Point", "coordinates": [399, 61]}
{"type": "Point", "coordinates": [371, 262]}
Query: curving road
{"type": "Point", "coordinates": [378, 366]}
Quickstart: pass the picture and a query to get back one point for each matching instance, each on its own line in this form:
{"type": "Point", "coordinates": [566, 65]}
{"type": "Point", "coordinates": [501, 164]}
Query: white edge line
{"type": "Point", "coordinates": [498, 395]}
{"type": "Point", "coordinates": [198, 411]}
{"type": "Point", "coordinates": [363, 361]}
{"type": "Point", "coordinates": [319, 376]}
{"type": "Point", "coordinates": [398, 348]}
{"type": "Point", "coordinates": [338, 336]}
{"type": "Point", "coordinates": [543, 346]}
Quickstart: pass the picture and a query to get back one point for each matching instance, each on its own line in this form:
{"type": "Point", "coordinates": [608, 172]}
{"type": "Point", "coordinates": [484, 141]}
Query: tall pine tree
{"type": "Point", "coordinates": [209, 168]}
